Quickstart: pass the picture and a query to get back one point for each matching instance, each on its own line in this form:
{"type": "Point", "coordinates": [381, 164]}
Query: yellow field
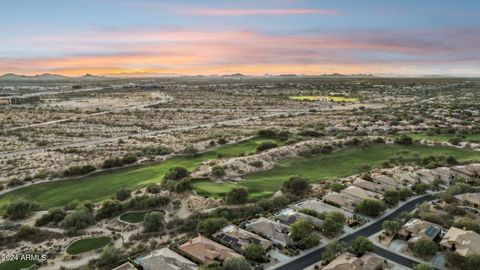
{"type": "Point", "coordinates": [324, 98]}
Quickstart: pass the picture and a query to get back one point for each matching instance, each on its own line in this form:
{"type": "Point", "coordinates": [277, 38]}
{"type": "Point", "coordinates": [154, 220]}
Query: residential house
{"type": "Point", "coordinates": [207, 251]}
{"type": "Point", "coordinates": [386, 180]}
{"type": "Point", "coordinates": [469, 199]}
{"type": "Point", "coordinates": [465, 242]}
{"type": "Point", "coordinates": [416, 229]}
{"type": "Point", "coordinates": [462, 172]}
{"type": "Point", "coordinates": [125, 266]}
{"type": "Point", "coordinates": [371, 186]}
{"type": "Point", "coordinates": [348, 261]}
{"type": "Point", "coordinates": [165, 259]}
{"type": "Point", "coordinates": [289, 216]}
{"type": "Point", "coordinates": [358, 194]}
{"type": "Point", "coordinates": [320, 207]}
{"type": "Point", "coordinates": [273, 230]}
{"type": "Point", "coordinates": [239, 239]}
{"type": "Point", "coordinates": [340, 200]}
{"type": "Point", "coordinates": [474, 168]}
{"type": "Point", "coordinates": [445, 174]}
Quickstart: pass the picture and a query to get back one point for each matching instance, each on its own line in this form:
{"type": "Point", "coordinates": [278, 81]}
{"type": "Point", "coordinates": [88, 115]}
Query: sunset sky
{"type": "Point", "coordinates": [147, 37]}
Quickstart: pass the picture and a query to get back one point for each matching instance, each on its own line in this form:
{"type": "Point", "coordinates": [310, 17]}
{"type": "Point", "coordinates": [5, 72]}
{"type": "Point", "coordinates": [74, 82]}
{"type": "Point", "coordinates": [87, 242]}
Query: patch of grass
{"type": "Point", "coordinates": [473, 138]}
{"type": "Point", "coordinates": [207, 188]}
{"type": "Point", "coordinates": [103, 185]}
{"type": "Point", "coordinates": [16, 265]}
{"type": "Point", "coordinates": [324, 98]}
{"type": "Point", "coordinates": [325, 167]}
{"type": "Point", "coordinates": [88, 244]}
{"type": "Point", "coordinates": [137, 216]}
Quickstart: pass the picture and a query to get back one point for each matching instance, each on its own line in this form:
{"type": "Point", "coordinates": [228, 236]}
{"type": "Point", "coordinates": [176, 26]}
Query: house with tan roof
{"type": "Point", "coordinates": [386, 180]}
{"type": "Point", "coordinates": [475, 168]}
{"type": "Point", "coordinates": [320, 207]}
{"type": "Point", "coordinates": [469, 199]}
{"type": "Point", "coordinates": [340, 200]}
{"type": "Point", "coordinates": [358, 194]}
{"type": "Point", "coordinates": [348, 261]}
{"type": "Point", "coordinates": [289, 216]}
{"type": "Point", "coordinates": [462, 172]}
{"type": "Point", "coordinates": [371, 186]}
{"type": "Point", "coordinates": [416, 229]}
{"type": "Point", "coordinates": [207, 251]}
{"type": "Point", "coordinates": [445, 174]}
{"type": "Point", "coordinates": [270, 229]}
{"type": "Point", "coordinates": [238, 238]}
{"type": "Point", "coordinates": [165, 259]}
{"type": "Point", "coordinates": [125, 266]}
{"type": "Point", "coordinates": [464, 242]}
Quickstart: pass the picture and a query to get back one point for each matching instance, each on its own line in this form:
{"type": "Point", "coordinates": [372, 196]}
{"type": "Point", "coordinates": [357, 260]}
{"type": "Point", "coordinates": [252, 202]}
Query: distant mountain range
{"type": "Point", "coordinates": [58, 77]}
{"type": "Point", "coordinates": [46, 77]}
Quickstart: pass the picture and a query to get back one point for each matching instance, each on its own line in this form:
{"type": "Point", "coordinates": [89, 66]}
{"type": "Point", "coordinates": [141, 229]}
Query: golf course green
{"type": "Point", "coordinates": [323, 167]}
{"type": "Point", "coordinates": [137, 216]}
{"type": "Point", "coordinates": [16, 265]}
{"type": "Point", "coordinates": [88, 244]}
{"type": "Point", "coordinates": [101, 186]}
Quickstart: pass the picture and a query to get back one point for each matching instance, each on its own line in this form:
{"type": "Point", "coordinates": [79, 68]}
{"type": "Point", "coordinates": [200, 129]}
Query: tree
{"type": "Point", "coordinates": [153, 221]}
{"type": "Point", "coordinates": [255, 252]}
{"type": "Point", "coordinates": [129, 159]}
{"type": "Point", "coordinates": [404, 193]}
{"type": "Point", "coordinates": [423, 266]}
{"type": "Point", "coordinates": [424, 248]}
{"type": "Point", "coordinates": [309, 241]}
{"type": "Point", "coordinates": [332, 250]}
{"type": "Point", "coordinates": [218, 171]}
{"type": "Point", "coordinates": [300, 229]}
{"type": "Point", "coordinates": [55, 215]}
{"type": "Point", "coordinates": [237, 196]}
{"type": "Point", "coordinates": [296, 185]}
{"type": "Point", "coordinates": [391, 226]}
{"type": "Point", "coordinates": [332, 227]}
{"type": "Point", "coordinates": [266, 145]}
{"type": "Point", "coordinates": [361, 245]}
{"type": "Point", "coordinates": [421, 188]}
{"type": "Point", "coordinates": [210, 225]}
{"type": "Point", "coordinates": [391, 197]}
{"type": "Point", "coordinates": [176, 173]}
{"type": "Point", "coordinates": [109, 255]}
{"type": "Point", "coordinates": [190, 150]}
{"type": "Point", "coordinates": [77, 220]}
{"type": "Point", "coordinates": [109, 208]}
{"type": "Point", "coordinates": [404, 140]}
{"type": "Point", "coordinates": [370, 207]}
{"type": "Point", "coordinates": [123, 194]}
{"type": "Point", "coordinates": [21, 209]}
{"type": "Point", "coordinates": [236, 264]}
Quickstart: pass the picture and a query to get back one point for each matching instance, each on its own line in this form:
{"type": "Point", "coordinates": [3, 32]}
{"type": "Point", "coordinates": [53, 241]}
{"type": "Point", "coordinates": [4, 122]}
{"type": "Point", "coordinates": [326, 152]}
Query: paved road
{"type": "Point", "coordinates": [315, 256]}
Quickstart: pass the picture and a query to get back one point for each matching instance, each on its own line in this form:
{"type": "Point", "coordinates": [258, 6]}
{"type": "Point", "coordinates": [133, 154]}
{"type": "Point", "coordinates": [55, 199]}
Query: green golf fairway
{"type": "Point", "coordinates": [101, 186]}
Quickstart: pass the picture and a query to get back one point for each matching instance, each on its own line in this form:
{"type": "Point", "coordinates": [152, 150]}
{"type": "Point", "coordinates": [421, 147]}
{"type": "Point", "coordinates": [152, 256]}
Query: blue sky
{"type": "Point", "coordinates": [146, 37]}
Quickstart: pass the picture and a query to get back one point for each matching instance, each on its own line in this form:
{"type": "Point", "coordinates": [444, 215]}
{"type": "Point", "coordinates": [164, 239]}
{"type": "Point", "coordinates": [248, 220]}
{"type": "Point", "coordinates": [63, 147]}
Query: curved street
{"type": "Point", "coordinates": [376, 226]}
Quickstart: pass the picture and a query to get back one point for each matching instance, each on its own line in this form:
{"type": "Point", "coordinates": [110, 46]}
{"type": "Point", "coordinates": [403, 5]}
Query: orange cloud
{"type": "Point", "coordinates": [149, 51]}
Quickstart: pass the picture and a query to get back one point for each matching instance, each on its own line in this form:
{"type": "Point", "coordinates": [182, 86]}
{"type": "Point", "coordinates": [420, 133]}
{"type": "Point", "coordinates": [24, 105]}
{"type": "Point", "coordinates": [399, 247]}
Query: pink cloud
{"type": "Point", "coordinates": [246, 12]}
